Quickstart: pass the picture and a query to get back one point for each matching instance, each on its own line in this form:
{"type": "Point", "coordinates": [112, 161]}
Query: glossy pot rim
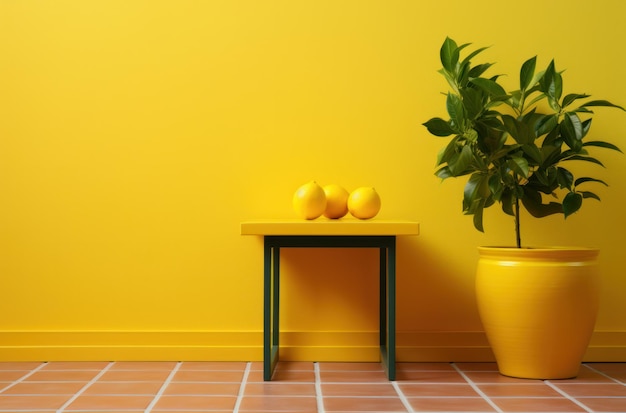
{"type": "Point", "coordinates": [550, 252]}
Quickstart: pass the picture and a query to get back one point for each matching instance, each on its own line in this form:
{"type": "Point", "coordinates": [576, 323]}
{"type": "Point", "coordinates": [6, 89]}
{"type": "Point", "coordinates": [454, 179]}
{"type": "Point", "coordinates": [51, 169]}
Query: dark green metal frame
{"type": "Point", "coordinates": [387, 268]}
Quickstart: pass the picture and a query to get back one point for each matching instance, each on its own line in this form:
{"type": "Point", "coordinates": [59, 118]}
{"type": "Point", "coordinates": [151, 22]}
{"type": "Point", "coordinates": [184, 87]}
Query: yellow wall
{"type": "Point", "coordinates": [135, 136]}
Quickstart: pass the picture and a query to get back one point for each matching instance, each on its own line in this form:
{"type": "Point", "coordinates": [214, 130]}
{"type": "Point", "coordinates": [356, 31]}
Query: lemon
{"type": "Point", "coordinates": [364, 203]}
{"type": "Point", "coordinates": [336, 201]}
{"type": "Point", "coordinates": [309, 201]}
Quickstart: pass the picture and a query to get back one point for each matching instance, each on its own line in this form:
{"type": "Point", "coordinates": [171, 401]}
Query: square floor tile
{"type": "Point", "coordinates": [359, 389]}
{"type": "Point", "coordinates": [363, 404]}
{"type": "Point", "coordinates": [533, 404]}
{"type": "Point", "coordinates": [99, 402]}
{"type": "Point", "coordinates": [212, 366]}
{"type": "Point", "coordinates": [477, 366]}
{"type": "Point", "coordinates": [350, 367]}
{"type": "Point", "coordinates": [607, 367]}
{"type": "Point", "coordinates": [195, 403]}
{"type": "Point", "coordinates": [278, 404]}
{"type": "Point", "coordinates": [45, 388]}
{"type": "Point", "coordinates": [123, 388]}
{"type": "Point", "coordinates": [279, 389]}
{"type": "Point", "coordinates": [495, 377]}
{"type": "Point", "coordinates": [10, 376]}
{"type": "Point", "coordinates": [31, 402]}
{"type": "Point", "coordinates": [424, 366]}
{"type": "Point", "coordinates": [536, 389]}
{"type": "Point", "coordinates": [74, 365]}
{"type": "Point", "coordinates": [604, 404]}
{"type": "Point", "coordinates": [593, 389]}
{"type": "Point", "coordinates": [284, 376]}
{"type": "Point", "coordinates": [450, 404]}
{"type": "Point", "coordinates": [200, 388]}
{"type": "Point", "coordinates": [18, 365]}
{"type": "Point", "coordinates": [354, 376]}
{"type": "Point", "coordinates": [437, 390]}
{"type": "Point", "coordinates": [63, 375]}
{"type": "Point", "coordinates": [428, 376]}
{"type": "Point", "coordinates": [135, 375]}
{"type": "Point", "coordinates": [143, 365]}
{"type": "Point", "coordinates": [294, 366]}
{"type": "Point", "coordinates": [208, 376]}
{"type": "Point", "coordinates": [586, 376]}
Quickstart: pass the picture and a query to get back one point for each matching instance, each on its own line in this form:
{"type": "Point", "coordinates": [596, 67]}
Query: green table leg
{"type": "Point", "coordinates": [270, 309]}
{"type": "Point", "coordinates": [388, 309]}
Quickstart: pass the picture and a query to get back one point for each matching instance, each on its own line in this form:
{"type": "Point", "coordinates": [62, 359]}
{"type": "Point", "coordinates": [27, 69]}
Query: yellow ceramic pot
{"type": "Point", "coordinates": [538, 308]}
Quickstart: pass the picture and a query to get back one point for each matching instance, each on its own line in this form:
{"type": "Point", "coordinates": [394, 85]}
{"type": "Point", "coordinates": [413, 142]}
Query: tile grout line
{"type": "Point", "coordinates": [85, 387]}
{"type": "Point", "coordinates": [24, 377]}
{"type": "Point", "coordinates": [166, 383]}
{"type": "Point", "coordinates": [402, 397]}
{"type": "Point", "coordinates": [477, 389]}
{"type": "Point", "coordinates": [242, 388]}
{"type": "Point", "coordinates": [605, 375]}
{"type": "Point", "coordinates": [567, 396]}
{"type": "Point", "coordinates": [319, 397]}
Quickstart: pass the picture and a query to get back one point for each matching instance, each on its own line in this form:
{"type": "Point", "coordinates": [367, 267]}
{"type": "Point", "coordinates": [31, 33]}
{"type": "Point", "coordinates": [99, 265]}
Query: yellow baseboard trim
{"type": "Point", "coordinates": [606, 346]}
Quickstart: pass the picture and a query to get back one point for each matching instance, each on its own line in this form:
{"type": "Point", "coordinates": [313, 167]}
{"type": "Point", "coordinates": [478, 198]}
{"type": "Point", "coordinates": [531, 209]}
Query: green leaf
{"type": "Point", "coordinates": [460, 164]}
{"type": "Point", "coordinates": [572, 203]}
{"type": "Point", "coordinates": [546, 124]}
{"type": "Point", "coordinates": [533, 204]}
{"type": "Point", "coordinates": [565, 178]}
{"type": "Point", "coordinates": [449, 55]}
{"type": "Point", "coordinates": [507, 201]}
{"type": "Point", "coordinates": [439, 127]}
{"type": "Point", "coordinates": [587, 194]}
{"type": "Point", "coordinates": [477, 187]}
{"type": "Point", "coordinates": [478, 217]}
{"type": "Point", "coordinates": [587, 179]}
{"type": "Point", "coordinates": [450, 78]}
{"type": "Point", "coordinates": [463, 74]}
{"type": "Point", "coordinates": [572, 131]}
{"type": "Point", "coordinates": [495, 187]}
{"type": "Point", "coordinates": [568, 99]}
{"type": "Point", "coordinates": [443, 173]}
{"type": "Point", "coordinates": [478, 70]}
{"type": "Point", "coordinates": [602, 144]}
{"type": "Point", "coordinates": [536, 99]}
{"type": "Point", "coordinates": [474, 53]}
{"type": "Point", "coordinates": [454, 105]}
{"type": "Point", "coordinates": [533, 153]}
{"type": "Point", "coordinates": [604, 103]}
{"type": "Point", "coordinates": [583, 158]}
{"type": "Point", "coordinates": [586, 125]}
{"type": "Point", "coordinates": [552, 85]}
{"type": "Point", "coordinates": [476, 196]}
{"type": "Point", "coordinates": [490, 86]}
{"type": "Point", "coordinates": [449, 151]}
{"type": "Point", "coordinates": [472, 101]}
{"type": "Point", "coordinates": [545, 178]}
{"type": "Point", "coordinates": [527, 73]}
{"type": "Point", "coordinates": [519, 165]}
{"type": "Point", "coordinates": [518, 130]}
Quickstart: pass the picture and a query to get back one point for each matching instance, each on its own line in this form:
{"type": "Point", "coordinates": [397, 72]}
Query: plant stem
{"type": "Point", "coordinates": [517, 232]}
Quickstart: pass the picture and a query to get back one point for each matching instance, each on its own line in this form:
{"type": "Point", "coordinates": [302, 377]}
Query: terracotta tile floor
{"type": "Point", "coordinates": [125, 387]}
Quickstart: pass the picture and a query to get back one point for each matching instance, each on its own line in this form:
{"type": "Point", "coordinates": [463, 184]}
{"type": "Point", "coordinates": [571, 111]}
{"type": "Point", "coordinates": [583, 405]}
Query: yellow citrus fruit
{"type": "Point", "coordinates": [309, 201]}
{"type": "Point", "coordinates": [364, 203]}
{"type": "Point", "coordinates": [336, 201]}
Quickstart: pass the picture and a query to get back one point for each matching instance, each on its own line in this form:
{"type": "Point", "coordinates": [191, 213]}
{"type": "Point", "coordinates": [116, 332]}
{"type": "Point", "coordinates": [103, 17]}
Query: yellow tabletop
{"type": "Point", "coordinates": [323, 226]}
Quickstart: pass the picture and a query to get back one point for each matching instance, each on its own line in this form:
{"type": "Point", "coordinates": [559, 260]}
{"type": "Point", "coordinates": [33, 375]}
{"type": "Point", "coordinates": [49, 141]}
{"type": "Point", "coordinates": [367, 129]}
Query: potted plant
{"type": "Point", "coordinates": [537, 305]}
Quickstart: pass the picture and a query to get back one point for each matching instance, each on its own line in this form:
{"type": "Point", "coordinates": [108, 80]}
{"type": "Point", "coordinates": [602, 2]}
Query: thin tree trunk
{"type": "Point", "coordinates": [517, 231]}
